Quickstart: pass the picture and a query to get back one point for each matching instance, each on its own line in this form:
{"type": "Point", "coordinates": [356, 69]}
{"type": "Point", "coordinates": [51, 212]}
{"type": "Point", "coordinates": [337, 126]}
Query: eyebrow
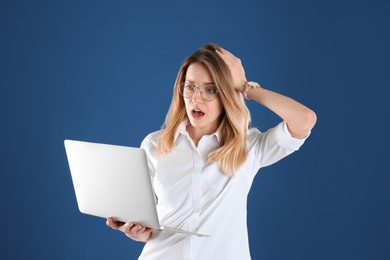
{"type": "Point", "coordinates": [204, 83]}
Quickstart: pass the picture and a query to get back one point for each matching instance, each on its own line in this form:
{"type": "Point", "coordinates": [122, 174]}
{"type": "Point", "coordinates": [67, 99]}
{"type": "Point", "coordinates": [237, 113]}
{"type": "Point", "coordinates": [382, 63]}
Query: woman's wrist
{"type": "Point", "coordinates": [248, 86]}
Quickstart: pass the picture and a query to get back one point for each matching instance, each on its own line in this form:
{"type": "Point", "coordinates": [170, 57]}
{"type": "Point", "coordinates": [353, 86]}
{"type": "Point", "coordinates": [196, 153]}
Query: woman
{"type": "Point", "coordinates": [202, 163]}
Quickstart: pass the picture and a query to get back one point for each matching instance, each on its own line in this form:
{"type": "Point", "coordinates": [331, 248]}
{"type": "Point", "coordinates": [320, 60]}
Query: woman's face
{"type": "Point", "coordinates": [203, 115]}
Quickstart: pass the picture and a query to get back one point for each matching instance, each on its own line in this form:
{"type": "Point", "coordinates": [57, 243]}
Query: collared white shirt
{"type": "Point", "coordinates": [196, 196]}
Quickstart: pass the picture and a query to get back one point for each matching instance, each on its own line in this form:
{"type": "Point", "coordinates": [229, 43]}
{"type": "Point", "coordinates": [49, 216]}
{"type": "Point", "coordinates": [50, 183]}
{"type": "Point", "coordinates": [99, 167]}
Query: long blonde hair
{"type": "Point", "coordinates": [234, 120]}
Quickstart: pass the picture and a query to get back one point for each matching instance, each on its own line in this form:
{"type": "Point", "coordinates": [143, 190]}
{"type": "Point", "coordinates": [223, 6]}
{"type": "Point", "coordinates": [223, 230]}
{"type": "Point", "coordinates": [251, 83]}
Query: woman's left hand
{"type": "Point", "coordinates": [236, 69]}
{"type": "Point", "coordinates": [134, 231]}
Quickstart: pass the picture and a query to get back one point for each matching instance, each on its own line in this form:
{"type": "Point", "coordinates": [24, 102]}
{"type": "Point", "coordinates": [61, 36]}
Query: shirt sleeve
{"type": "Point", "coordinates": [149, 146]}
{"type": "Point", "coordinates": [273, 145]}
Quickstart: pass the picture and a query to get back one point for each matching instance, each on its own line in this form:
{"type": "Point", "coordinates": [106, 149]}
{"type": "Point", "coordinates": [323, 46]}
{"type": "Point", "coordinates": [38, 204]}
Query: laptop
{"type": "Point", "coordinates": [114, 181]}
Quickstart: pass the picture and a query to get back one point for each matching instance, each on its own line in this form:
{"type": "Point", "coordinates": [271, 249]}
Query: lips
{"type": "Point", "coordinates": [197, 114]}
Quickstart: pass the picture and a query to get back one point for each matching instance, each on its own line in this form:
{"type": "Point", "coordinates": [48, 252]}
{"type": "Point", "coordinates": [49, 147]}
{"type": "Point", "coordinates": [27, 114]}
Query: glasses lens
{"type": "Point", "coordinates": [188, 90]}
{"type": "Point", "coordinates": [209, 93]}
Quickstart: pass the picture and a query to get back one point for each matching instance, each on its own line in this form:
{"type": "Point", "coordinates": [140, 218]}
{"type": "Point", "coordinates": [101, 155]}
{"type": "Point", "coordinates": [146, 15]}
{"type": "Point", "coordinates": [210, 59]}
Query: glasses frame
{"type": "Point", "coordinates": [196, 88]}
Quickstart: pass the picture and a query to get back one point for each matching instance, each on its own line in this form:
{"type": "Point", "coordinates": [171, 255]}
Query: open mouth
{"type": "Point", "coordinates": [197, 113]}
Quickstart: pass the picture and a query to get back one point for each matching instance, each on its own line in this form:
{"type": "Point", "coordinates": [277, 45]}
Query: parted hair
{"type": "Point", "coordinates": [234, 120]}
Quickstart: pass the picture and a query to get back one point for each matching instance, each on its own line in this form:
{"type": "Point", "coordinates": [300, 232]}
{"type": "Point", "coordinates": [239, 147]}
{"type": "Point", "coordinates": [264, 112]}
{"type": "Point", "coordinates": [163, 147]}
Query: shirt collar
{"type": "Point", "coordinates": [183, 130]}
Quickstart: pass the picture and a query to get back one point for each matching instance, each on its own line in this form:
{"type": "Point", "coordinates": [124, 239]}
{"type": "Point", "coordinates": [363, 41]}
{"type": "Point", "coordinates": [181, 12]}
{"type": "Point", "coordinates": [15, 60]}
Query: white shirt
{"type": "Point", "coordinates": [196, 196]}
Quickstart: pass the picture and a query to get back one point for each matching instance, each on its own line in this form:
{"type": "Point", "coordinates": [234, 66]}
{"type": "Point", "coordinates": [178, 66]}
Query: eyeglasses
{"type": "Point", "coordinates": [208, 93]}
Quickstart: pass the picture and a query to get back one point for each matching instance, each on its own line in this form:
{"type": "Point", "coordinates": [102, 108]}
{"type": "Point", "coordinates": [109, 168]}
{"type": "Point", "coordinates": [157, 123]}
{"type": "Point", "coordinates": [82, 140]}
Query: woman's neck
{"type": "Point", "coordinates": [196, 133]}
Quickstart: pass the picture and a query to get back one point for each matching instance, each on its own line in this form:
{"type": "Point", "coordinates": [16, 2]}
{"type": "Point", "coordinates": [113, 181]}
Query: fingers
{"type": "Point", "coordinates": [137, 232]}
{"type": "Point", "coordinates": [225, 55]}
{"type": "Point", "coordinates": [235, 67]}
{"type": "Point", "coordinates": [232, 61]}
{"type": "Point", "coordinates": [114, 224]}
{"type": "Point", "coordinates": [131, 229]}
{"type": "Point", "coordinates": [228, 57]}
{"type": "Point", "coordinates": [110, 222]}
{"type": "Point", "coordinates": [134, 231]}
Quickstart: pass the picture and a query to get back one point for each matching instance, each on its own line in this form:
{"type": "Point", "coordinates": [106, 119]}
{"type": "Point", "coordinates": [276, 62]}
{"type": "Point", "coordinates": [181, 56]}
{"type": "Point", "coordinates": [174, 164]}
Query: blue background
{"type": "Point", "coordinates": [103, 71]}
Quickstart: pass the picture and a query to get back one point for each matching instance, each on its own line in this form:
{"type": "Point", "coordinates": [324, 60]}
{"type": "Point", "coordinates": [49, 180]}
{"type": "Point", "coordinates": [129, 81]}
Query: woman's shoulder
{"type": "Point", "coordinates": [253, 131]}
{"type": "Point", "coordinates": [254, 135]}
{"type": "Point", "coordinates": [278, 134]}
{"type": "Point", "coordinates": [152, 138]}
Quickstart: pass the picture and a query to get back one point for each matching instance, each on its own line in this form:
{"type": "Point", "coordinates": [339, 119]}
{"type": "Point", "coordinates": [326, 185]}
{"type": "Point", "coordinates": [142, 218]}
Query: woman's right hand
{"type": "Point", "coordinates": [134, 231]}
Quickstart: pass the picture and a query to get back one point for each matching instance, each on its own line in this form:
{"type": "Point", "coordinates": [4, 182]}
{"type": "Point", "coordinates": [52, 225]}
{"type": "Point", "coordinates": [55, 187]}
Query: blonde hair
{"type": "Point", "coordinates": [234, 120]}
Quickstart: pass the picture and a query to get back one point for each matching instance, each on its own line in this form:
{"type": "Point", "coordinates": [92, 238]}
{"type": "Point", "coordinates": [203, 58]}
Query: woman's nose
{"type": "Point", "coordinates": [197, 96]}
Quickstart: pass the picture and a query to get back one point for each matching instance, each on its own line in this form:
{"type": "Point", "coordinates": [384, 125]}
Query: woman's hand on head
{"type": "Point", "coordinates": [134, 231]}
{"type": "Point", "coordinates": [236, 69]}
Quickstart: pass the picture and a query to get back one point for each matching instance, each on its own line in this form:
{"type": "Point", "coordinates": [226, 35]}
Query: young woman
{"type": "Point", "coordinates": [202, 163]}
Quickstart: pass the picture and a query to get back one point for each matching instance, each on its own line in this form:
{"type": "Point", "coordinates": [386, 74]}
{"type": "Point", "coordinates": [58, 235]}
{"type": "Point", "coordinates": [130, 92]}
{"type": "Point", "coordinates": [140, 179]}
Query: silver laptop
{"type": "Point", "coordinates": [114, 181]}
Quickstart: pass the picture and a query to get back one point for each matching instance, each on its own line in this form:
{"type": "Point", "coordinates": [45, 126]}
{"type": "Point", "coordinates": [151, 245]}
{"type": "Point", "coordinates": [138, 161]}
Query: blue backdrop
{"type": "Point", "coordinates": [103, 71]}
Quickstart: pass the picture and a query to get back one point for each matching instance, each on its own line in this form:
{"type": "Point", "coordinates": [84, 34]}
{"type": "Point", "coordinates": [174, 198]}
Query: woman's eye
{"type": "Point", "coordinates": [190, 87]}
{"type": "Point", "coordinates": [211, 90]}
